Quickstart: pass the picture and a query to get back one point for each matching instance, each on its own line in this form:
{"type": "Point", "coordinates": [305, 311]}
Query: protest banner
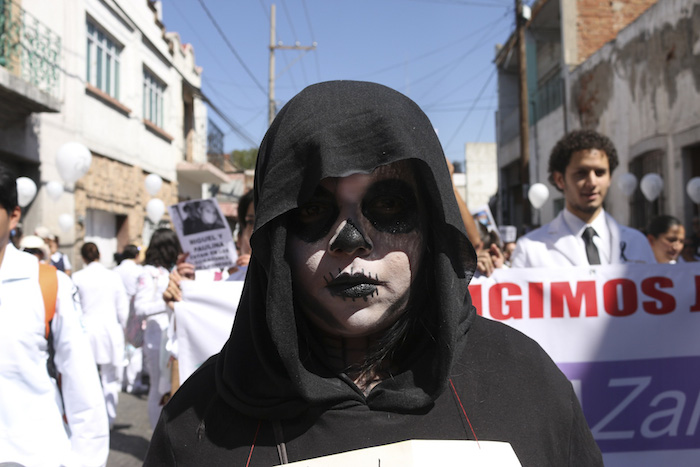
{"type": "Point", "coordinates": [628, 338]}
{"type": "Point", "coordinates": [204, 234]}
{"type": "Point", "coordinates": [204, 320]}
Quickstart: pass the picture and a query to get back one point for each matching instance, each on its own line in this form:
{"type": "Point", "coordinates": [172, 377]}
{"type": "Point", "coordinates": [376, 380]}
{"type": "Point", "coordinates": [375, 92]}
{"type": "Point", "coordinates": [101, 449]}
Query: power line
{"type": "Point", "coordinates": [440, 48]}
{"type": "Point", "coordinates": [233, 50]}
{"type": "Point", "coordinates": [466, 116]}
{"type": "Point", "coordinates": [465, 3]}
{"type": "Point", "coordinates": [233, 125]}
{"type": "Point", "coordinates": [313, 39]}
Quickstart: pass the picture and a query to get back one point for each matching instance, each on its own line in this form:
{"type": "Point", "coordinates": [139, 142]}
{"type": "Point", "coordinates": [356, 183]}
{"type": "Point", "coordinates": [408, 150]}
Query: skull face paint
{"type": "Point", "coordinates": [355, 249]}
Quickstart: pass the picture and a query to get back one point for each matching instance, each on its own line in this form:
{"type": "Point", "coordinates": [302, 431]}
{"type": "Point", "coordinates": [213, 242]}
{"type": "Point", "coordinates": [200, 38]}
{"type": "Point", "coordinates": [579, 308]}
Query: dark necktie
{"type": "Point", "coordinates": [591, 249]}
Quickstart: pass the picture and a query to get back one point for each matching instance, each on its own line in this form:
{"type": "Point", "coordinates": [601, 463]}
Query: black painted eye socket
{"type": "Point", "coordinates": [313, 219]}
{"type": "Point", "coordinates": [312, 212]}
{"type": "Point", "coordinates": [386, 205]}
{"type": "Point", "coordinates": [391, 206]}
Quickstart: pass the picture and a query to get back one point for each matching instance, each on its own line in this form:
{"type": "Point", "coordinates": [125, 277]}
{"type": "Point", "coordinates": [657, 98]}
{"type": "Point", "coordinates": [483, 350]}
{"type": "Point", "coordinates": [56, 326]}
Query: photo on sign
{"type": "Point", "coordinates": [204, 233]}
{"type": "Point", "coordinates": [486, 224]}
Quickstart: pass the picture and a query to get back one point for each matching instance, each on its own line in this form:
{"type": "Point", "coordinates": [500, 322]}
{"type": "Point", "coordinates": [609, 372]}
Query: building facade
{"type": "Point", "coordinates": [109, 76]}
{"type": "Point", "coordinates": [628, 69]}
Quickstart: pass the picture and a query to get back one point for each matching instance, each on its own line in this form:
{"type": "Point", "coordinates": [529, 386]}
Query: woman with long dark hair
{"type": "Point", "coordinates": [161, 256]}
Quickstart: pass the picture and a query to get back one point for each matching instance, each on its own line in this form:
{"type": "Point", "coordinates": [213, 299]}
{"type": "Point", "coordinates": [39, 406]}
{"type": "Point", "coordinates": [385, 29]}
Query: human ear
{"type": "Point", "coordinates": [558, 179]}
{"type": "Point", "coordinates": [15, 216]}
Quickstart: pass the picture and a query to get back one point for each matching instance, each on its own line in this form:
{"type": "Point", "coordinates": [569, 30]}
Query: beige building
{"type": "Point", "coordinates": [628, 69]}
{"type": "Point", "coordinates": [106, 74]}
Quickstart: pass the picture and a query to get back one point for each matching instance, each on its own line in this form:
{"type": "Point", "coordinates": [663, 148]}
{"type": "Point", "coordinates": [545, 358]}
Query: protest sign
{"type": "Point", "coordinates": [204, 320]}
{"type": "Point", "coordinates": [423, 453]}
{"type": "Point", "coordinates": [204, 233]}
{"type": "Point", "coordinates": [627, 336]}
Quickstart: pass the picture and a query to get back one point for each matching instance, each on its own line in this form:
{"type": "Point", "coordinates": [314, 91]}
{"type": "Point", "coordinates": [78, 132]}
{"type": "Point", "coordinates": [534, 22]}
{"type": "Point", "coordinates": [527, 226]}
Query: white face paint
{"type": "Point", "coordinates": [355, 249]}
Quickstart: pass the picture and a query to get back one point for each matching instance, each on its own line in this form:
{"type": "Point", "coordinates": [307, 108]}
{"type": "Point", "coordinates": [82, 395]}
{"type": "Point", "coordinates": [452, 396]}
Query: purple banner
{"type": "Point", "coordinates": [640, 405]}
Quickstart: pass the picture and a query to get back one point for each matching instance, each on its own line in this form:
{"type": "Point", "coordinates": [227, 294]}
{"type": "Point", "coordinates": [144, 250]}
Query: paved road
{"type": "Point", "coordinates": [131, 434]}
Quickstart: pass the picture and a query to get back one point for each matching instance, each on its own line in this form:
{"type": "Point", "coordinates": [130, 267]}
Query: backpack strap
{"type": "Point", "coordinates": [48, 281]}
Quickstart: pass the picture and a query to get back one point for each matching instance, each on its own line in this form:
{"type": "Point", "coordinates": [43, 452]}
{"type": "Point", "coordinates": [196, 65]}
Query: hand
{"type": "Point", "coordinates": [185, 269]}
{"type": "Point", "coordinates": [243, 260]}
{"type": "Point", "coordinates": [484, 263]}
{"type": "Point", "coordinates": [497, 256]}
{"type": "Point", "coordinates": [173, 293]}
{"type": "Point", "coordinates": [489, 260]}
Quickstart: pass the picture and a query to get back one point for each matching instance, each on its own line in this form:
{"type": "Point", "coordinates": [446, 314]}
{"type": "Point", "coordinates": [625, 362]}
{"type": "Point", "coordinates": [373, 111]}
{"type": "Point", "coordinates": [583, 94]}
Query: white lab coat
{"type": "Point", "coordinates": [105, 311]}
{"type": "Point", "coordinates": [554, 245]}
{"type": "Point", "coordinates": [129, 271]}
{"type": "Point", "coordinates": [149, 304]}
{"type": "Point", "coordinates": [31, 428]}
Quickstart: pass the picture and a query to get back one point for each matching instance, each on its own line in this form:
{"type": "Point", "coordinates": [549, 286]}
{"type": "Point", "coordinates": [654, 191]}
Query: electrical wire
{"type": "Point", "coordinates": [313, 38]}
{"type": "Point", "coordinates": [440, 48]}
{"type": "Point", "coordinates": [231, 48]}
{"type": "Point", "coordinates": [466, 116]}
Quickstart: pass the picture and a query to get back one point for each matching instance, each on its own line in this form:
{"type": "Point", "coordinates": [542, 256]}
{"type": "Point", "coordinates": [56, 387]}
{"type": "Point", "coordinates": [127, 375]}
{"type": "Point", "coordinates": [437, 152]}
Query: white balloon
{"type": "Point", "coordinates": [73, 161]}
{"type": "Point", "coordinates": [651, 186]}
{"type": "Point", "coordinates": [65, 221]}
{"type": "Point", "coordinates": [155, 210]}
{"type": "Point", "coordinates": [693, 189]}
{"type": "Point", "coordinates": [26, 190]}
{"type": "Point", "coordinates": [153, 184]}
{"type": "Point", "coordinates": [627, 183]}
{"type": "Point", "coordinates": [55, 190]}
{"type": "Point", "coordinates": [538, 194]}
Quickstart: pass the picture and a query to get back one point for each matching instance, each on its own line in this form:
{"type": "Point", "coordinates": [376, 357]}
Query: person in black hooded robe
{"type": "Point", "coordinates": [355, 328]}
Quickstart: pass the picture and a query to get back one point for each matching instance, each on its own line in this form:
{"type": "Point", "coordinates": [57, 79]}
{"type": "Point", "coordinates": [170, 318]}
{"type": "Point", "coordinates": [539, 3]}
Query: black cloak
{"type": "Point", "coordinates": [470, 378]}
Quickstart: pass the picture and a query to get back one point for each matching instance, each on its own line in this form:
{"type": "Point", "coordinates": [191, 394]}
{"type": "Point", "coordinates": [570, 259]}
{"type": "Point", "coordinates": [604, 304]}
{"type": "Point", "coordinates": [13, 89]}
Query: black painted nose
{"type": "Point", "coordinates": [349, 239]}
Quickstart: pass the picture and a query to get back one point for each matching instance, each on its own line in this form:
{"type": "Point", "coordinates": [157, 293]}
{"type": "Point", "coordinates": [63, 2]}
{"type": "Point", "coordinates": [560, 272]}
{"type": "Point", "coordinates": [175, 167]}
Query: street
{"type": "Point", "coordinates": [131, 433]}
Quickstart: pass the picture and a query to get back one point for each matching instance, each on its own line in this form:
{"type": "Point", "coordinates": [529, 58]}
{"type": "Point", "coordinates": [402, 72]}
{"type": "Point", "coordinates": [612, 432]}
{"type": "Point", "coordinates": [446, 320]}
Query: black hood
{"type": "Point", "coordinates": [335, 129]}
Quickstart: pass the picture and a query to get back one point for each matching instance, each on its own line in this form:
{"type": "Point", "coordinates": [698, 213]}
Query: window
{"type": "Point", "coordinates": [102, 64]}
{"type": "Point", "coordinates": [153, 90]}
{"type": "Point", "coordinates": [643, 211]}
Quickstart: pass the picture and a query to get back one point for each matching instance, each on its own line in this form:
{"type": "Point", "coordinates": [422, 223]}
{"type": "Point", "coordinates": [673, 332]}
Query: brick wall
{"type": "Point", "coordinates": [599, 21]}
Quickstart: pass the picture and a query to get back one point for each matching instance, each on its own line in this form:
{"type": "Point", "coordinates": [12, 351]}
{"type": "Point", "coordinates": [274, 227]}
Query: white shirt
{"type": "Point", "coordinates": [602, 240]}
{"type": "Point", "coordinates": [31, 429]}
{"type": "Point", "coordinates": [105, 311]}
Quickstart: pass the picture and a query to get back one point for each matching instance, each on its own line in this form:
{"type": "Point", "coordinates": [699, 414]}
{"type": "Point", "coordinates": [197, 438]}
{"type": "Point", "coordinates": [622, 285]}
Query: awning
{"type": "Point", "coordinates": [200, 172]}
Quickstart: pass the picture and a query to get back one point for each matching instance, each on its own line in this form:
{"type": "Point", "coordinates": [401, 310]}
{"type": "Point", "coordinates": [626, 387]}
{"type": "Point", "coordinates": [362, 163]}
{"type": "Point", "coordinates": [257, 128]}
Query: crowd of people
{"type": "Point", "coordinates": [355, 327]}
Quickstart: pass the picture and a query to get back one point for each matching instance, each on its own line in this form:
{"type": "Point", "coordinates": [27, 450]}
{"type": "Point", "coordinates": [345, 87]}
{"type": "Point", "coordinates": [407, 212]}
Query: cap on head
{"type": "Point", "coordinates": [34, 242]}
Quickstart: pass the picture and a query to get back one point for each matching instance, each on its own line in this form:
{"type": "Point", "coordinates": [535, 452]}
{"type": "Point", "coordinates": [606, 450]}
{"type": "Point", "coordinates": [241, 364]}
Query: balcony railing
{"type": "Point", "coordinates": [548, 97]}
{"type": "Point", "coordinates": [28, 48]}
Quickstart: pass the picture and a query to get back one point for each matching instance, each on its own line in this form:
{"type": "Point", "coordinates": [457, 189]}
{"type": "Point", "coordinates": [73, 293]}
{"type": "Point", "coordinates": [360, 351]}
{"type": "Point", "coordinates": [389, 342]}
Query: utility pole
{"type": "Point", "coordinates": [271, 106]}
{"type": "Point", "coordinates": [524, 107]}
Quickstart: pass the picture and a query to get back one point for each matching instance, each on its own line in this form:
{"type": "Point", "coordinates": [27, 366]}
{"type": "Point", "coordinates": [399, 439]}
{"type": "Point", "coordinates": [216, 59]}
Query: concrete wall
{"type": "Point", "coordinates": [481, 170]}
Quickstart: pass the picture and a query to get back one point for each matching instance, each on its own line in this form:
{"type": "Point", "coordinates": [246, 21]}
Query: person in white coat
{"type": "Point", "coordinates": [105, 310]}
{"type": "Point", "coordinates": [129, 270]}
{"type": "Point", "coordinates": [161, 256]}
{"type": "Point", "coordinates": [581, 166]}
{"type": "Point", "coordinates": [32, 408]}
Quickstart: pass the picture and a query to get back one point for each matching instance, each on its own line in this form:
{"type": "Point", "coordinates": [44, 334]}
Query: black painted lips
{"type": "Point", "coordinates": [353, 286]}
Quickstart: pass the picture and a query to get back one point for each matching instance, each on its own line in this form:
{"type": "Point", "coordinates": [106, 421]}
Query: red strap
{"type": "Point", "coordinates": [454, 390]}
{"type": "Point", "coordinates": [48, 281]}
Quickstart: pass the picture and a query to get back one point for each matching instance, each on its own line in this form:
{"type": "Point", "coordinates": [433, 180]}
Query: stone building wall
{"type": "Point", "coordinates": [117, 188]}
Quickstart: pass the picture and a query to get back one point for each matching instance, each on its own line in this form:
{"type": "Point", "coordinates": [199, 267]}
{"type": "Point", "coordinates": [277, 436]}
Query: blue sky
{"type": "Point", "coordinates": [438, 52]}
